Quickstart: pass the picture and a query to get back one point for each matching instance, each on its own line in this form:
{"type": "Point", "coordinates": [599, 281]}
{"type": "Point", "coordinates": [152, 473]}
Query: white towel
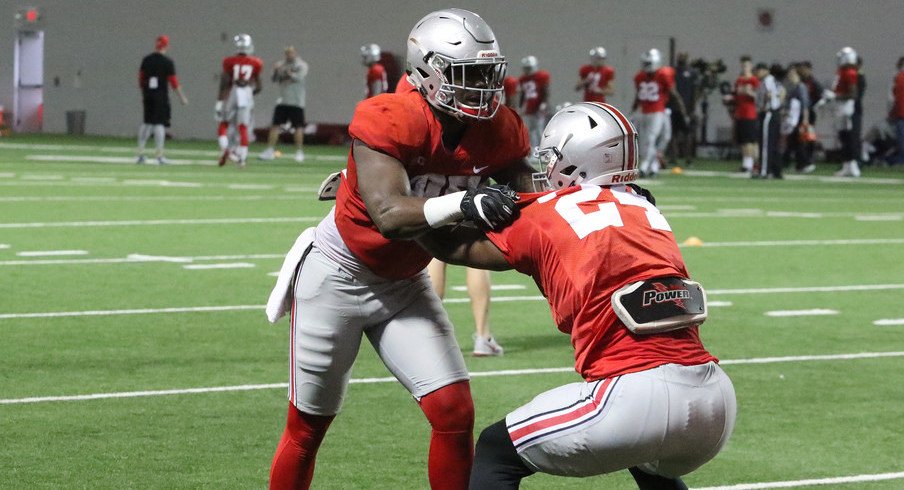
{"type": "Point", "coordinates": [281, 297]}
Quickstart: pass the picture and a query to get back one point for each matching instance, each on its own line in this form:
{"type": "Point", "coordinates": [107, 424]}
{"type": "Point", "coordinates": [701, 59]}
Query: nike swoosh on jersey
{"type": "Point", "coordinates": [477, 169]}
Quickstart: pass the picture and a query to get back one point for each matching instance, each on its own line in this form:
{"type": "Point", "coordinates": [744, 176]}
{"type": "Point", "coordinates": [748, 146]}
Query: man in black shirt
{"type": "Point", "coordinates": [687, 84]}
{"type": "Point", "coordinates": [157, 70]}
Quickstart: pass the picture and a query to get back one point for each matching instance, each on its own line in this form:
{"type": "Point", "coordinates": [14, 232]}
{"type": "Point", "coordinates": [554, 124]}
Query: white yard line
{"type": "Point", "coordinates": [140, 258]}
{"type": "Point", "coordinates": [50, 253]}
{"type": "Point", "coordinates": [800, 243]}
{"type": "Point", "coordinates": [889, 322]}
{"type": "Point", "coordinates": [4, 246]}
{"type": "Point", "coordinates": [495, 299]}
{"type": "Point", "coordinates": [114, 160]}
{"type": "Point", "coordinates": [232, 265]}
{"type": "Point", "coordinates": [390, 379]}
{"type": "Point", "coordinates": [255, 197]}
{"type": "Point", "coordinates": [494, 287]}
{"type": "Point", "coordinates": [889, 217]}
{"type": "Point", "coordinates": [41, 177]}
{"type": "Point", "coordinates": [810, 482]}
{"type": "Point", "coordinates": [160, 222]}
{"type": "Point", "coordinates": [758, 213]}
{"type": "Point", "coordinates": [813, 312]}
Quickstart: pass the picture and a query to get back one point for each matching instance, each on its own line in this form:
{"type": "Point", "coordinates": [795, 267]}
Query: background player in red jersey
{"type": "Point", "coordinates": [534, 85]}
{"type": "Point", "coordinates": [845, 93]}
{"type": "Point", "coordinates": [655, 86]}
{"type": "Point", "coordinates": [239, 82]}
{"type": "Point", "coordinates": [417, 160]}
{"type": "Point", "coordinates": [157, 70]}
{"type": "Point", "coordinates": [745, 114]}
{"type": "Point", "coordinates": [653, 400]}
{"type": "Point", "coordinates": [375, 81]}
{"type": "Point", "coordinates": [596, 78]}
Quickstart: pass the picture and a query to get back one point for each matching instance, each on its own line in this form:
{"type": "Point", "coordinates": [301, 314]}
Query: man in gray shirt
{"type": "Point", "coordinates": [291, 75]}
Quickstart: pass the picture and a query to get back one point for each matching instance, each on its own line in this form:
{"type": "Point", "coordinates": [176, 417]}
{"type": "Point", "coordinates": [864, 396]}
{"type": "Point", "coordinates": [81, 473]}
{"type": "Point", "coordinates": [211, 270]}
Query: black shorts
{"type": "Point", "coordinates": [289, 113]}
{"type": "Point", "coordinates": [156, 108]}
{"type": "Point", "coordinates": [747, 131]}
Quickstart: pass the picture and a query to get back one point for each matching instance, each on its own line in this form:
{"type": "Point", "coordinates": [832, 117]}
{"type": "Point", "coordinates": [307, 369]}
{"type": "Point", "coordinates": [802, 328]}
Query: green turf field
{"type": "Point", "coordinates": [136, 283]}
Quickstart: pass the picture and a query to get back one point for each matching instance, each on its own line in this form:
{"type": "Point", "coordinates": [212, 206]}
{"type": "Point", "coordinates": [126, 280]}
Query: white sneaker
{"type": "Point", "coordinates": [267, 154]}
{"type": "Point", "coordinates": [299, 156]}
{"type": "Point", "coordinates": [486, 347]}
{"type": "Point", "coordinates": [162, 161]}
{"type": "Point", "coordinates": [141, 160]}
{"type": "Point", "coordinates": [808, 169]}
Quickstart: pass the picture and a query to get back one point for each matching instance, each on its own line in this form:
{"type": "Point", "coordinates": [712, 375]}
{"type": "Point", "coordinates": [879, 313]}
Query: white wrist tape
{"type": "Point", "coordinates": [442, 210]}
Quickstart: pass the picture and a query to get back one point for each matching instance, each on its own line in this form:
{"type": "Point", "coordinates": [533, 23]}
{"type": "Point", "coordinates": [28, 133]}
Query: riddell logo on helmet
{"type": "Point", "coordinates": [623, 178]}
{"type": "Point", "coordinates": [488, 54]}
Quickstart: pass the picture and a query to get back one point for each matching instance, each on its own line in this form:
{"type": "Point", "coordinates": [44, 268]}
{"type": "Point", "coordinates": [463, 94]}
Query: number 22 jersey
{"type": "Point", "coordinates": [581, 244]}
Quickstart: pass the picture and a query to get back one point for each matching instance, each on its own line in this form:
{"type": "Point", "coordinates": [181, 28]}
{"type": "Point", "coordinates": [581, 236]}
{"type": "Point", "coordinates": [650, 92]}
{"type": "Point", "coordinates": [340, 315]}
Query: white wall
{"type": "Point", "coordinates": [106, 39]}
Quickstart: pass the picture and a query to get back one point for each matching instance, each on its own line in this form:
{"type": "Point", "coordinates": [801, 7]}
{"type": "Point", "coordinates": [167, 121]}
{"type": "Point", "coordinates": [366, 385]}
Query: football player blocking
{"type": "Point", "coordinates": [653, 400]}
{"type": "Point", "coordinates": [417, 162]}
{"type": "Point", "coordinates": [239, 83]}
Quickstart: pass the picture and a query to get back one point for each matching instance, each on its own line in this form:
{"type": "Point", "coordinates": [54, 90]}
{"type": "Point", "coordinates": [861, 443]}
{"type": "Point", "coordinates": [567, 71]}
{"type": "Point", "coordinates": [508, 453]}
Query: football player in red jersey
{"type": "Point", "coordinates": [511, 91]}
{"type": "Point", "coordinates": [653, 400]}
{"type": "Point", "coordinates": [655, 86]}
{"type": "Point", "coordinates": [745, 114]}
{"type": "Point", "coordinates": [375, 81]}
{"type": "Point", "coordinates": [596, 78]}
{"type": "Point", "coordinates": [239, 83]}
{"type": "Point", "coordinates": [416, 163]}
{"type": "Point", "coordinates": [534, 85]}
{"type": "Point", "coordinates": [845, 92]}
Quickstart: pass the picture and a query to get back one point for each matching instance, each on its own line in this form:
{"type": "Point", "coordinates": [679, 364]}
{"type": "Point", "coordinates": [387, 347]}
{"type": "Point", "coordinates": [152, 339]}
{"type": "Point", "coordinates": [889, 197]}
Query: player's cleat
{"type": "Point", "coordinates": [267, 154]}
{"type": "Point", "coordinates": [162, 161]}
{"type": "Point", "coordinates": [486, 347]}
{"type": "Point", "coordinates": [141, 160]}
{"type": "Point", "coordinates": [224, 157]}
{"type": "Point", "coordinates": [299, 156]}
{"type": "Point", "coordinates": [808, 169]}
{"type": "Point", "coordinates": [849, 170]}
{"type": "Point", "coordinates": [242, 163]}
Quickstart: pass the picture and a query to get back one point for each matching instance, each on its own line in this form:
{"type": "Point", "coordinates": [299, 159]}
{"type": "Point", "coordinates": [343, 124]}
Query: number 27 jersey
{"type": "Point", "coordinates": [581, 244]}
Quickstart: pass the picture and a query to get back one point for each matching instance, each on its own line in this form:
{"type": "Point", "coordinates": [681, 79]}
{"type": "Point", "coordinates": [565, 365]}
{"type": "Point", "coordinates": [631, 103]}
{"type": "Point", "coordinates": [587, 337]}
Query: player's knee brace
{"type": "Point", "coordinates": [496, 462]}
{"type": "Point", "coordinates": [646, 481]}
{"type": "Point", "coordinates": [450, 408]}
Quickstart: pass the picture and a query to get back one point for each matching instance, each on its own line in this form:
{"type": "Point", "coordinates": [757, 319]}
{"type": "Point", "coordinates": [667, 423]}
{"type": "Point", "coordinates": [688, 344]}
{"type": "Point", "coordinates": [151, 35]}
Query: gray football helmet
{"type": "Point", "coordinates": [846, 56]}
{"type": "Point", "coordinates": [370, 53]}
{"type": "Point", "coordinates": [589, 143]}
{"type": "Point", "coordinates": [597, 55]}
{"type": "Point", "coordinates": [651, 60]}
{"type": "Point", "coordinates": [454, 61]}
{"type": "Point", "coordinates": [243, 44]}
{"type": "Point", "coordinates": [530, 64]}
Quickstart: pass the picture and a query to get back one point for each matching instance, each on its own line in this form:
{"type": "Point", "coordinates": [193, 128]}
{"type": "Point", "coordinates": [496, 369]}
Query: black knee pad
{"type": "Point", "coordinates": [646, 481]}
{"type": "Point", "coordinates": [496, 462]}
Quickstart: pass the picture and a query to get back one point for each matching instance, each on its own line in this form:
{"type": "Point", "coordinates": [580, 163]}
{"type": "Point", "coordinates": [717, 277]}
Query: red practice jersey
{"type": "Point", "coordinates": [376, 74]}
{"type": "Point", "coordinates": [532, 87]}
{"type": "Point", "coordinates": [581, 244]}
{"type": "Point", "coordinates": [510, 86]}
{"type": "Point", "coordinates": [402, 126]}
{"type": "Point", "coordinates": [653, 89]}
{"type": "Point", "coordinates": [241, 68]}
{"type": "Point", "coordinates": [845, 82]}
{"type": "Point", "coordinates": [596, 77]}
{"type": "Point", "coordinates": [898, 92]}
{"type": "Point", "coordinates": [745, 105]}
{"type": "Point", "coordinates": [403, 85]}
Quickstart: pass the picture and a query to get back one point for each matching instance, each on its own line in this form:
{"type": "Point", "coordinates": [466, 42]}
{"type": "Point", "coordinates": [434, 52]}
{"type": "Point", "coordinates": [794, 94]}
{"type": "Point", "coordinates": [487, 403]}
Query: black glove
{"type": "Point", "coordinates": [491, 208]}
{"type": "Point", "coordinates": [643, 192]}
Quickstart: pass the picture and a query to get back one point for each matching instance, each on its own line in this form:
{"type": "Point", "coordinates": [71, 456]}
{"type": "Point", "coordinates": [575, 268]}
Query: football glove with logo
{"type": "Point", "coordinates": [491, 208]}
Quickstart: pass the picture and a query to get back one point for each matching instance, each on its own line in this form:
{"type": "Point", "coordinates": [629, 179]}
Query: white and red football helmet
{"type": "Point", "coordinates": [651, 60]}
{"type": "Point", "coordinates": [243, 44]}
{"type": "Point", "coordinates": [454, 61]}
{"type": "Point", "coordinates": [589, 143]}
{"type": "Point", "coordinates": [846, 56]}
{"type": "Point", "coordinates": [370, 54]}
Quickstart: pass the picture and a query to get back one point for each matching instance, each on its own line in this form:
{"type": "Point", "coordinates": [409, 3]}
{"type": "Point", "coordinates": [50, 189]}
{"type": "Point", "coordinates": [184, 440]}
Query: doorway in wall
{"type": "Point", "coordinates": [28, 81]}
